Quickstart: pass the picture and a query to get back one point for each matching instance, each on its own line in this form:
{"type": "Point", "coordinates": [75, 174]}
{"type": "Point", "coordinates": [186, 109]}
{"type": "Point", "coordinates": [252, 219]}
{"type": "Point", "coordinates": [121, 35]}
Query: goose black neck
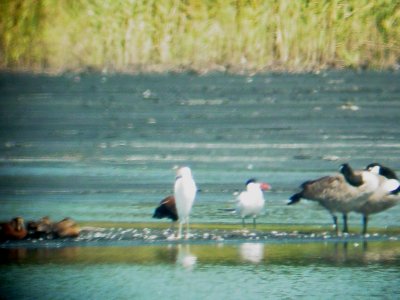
{"type": "Point", "coordinates": [350, 176]}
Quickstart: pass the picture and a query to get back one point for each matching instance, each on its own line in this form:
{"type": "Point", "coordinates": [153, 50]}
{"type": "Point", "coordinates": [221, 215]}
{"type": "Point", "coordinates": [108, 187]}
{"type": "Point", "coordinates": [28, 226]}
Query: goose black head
{"type": "Point", "coordinates": [345, 169]}
{"type": "Point", "coordinates": [382, 170]}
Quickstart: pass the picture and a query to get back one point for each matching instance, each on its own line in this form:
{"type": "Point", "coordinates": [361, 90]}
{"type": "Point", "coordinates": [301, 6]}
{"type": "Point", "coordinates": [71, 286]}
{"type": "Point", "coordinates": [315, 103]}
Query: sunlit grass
{"type": "Point", "coordinates": [238, 35]}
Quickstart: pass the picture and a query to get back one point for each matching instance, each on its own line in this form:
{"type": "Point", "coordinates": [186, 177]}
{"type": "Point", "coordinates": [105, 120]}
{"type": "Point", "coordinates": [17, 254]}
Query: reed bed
{"type": "Point", "coordinates": [201, 35]}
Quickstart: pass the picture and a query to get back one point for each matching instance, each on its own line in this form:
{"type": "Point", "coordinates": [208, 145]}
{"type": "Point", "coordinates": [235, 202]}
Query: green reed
{"type": "Point", "coordinates": [236, 35]}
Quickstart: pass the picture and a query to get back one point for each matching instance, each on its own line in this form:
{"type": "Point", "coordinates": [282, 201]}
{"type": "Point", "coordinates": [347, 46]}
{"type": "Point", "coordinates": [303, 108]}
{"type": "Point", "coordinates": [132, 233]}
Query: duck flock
{"type": "Point", "coordinates": [44, 228]}
{"type": "Point", "coordinates": [367, 192]}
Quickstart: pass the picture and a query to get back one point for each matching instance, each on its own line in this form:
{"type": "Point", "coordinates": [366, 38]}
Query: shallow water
{"type": "Point", "coordinates": [96, 147]}
{"type": "Point", "coordinates": [205, 271]}
{"type": "Point", "coordinates": [103, 148]}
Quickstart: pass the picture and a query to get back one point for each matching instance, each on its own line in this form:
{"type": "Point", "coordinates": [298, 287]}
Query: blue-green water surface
{"type": "Point", "coordinates": [349, 270]}
{"type": "Point", "coordinates": [103, 147]}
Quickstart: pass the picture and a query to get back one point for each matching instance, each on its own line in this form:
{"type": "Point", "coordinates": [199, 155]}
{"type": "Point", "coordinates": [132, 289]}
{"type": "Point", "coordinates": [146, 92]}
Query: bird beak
{"type": "Point", "coordinates": [265, 186]}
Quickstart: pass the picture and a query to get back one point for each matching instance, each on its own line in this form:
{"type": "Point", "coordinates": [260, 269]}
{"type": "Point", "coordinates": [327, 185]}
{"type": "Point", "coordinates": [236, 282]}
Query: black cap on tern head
{"type": "Point", "coordinates": [251, 180]}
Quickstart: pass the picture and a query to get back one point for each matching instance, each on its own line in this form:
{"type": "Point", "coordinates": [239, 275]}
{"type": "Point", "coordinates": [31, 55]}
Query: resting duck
{"type": "Point", "coordinates": [13, 230]}
{"type": "Point", "coordinates": [40, 229]}
{"type": "Point", "coordinates": [66, 228]}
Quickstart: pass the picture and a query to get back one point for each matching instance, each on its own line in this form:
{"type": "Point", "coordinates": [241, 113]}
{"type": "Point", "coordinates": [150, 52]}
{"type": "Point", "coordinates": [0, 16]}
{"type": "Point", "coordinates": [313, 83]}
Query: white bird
{"type": "Point", "coordinates": [385, 196]}
{"type": "Point", "coordinates": [341, 192]}
{"type": "Point", "coordinates": [185, 193]}
{"type": "Point", "coordinates": [251, 202]}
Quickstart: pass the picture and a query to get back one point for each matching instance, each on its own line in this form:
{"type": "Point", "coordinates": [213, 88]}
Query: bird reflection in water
{"type": "Point", "coordinates": [185, 258]}
{"type": "Point", "coordinates": [252, 252]}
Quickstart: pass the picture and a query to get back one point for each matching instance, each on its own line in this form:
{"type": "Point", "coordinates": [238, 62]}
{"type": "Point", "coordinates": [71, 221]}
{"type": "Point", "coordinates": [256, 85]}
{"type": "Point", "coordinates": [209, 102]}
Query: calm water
{"type": "Point", "coordinates": [206, 271]}
{"type": "Point", "coordinates": [103, 148]}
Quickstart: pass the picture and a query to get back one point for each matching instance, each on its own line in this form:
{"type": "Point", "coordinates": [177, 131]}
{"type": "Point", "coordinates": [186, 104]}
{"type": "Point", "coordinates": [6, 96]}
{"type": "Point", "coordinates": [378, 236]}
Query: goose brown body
{"type": "Point", "coordinates": [385, 196]}
{"type": "Point", "coordinates": [336, 194]}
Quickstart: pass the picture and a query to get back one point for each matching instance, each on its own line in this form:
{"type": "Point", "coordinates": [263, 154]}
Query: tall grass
{"type": "Point", "coordinates": [249, 35]}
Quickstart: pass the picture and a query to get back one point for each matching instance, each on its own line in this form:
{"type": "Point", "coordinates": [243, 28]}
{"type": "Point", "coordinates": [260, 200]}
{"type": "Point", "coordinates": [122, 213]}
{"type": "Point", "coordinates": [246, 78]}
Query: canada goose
{"type": "Point", "coordinates": [251, 201]}
{"type": "Point", "coordinates": [185, 193]}
{"type": "Point", "coordinates": [13, 230]}
{"type": "Point", "coordinates": [386, 196]}
{"type": "Point", "coordinates": [336, 195]}
{"type": "Point", "coordinates": [166, 209]}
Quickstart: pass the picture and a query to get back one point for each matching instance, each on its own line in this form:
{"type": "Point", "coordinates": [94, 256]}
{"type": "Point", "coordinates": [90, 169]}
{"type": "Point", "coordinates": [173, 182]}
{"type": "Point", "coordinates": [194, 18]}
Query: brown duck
{"type": "Point", "coordinates": [13, 230]}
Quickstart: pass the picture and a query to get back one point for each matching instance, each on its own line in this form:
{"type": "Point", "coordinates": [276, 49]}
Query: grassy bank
{"type": "Point", "coordinates": [121, 35]}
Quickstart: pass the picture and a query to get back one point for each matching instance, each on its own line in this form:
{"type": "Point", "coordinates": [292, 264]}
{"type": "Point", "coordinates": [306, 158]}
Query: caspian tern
{"type": "Point", "coordinates": [251, 201]}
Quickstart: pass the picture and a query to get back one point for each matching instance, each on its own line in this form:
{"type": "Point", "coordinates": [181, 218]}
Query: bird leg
{"type": "Point", "coordinates": [254, 223]}
{"type": "Point", "coordinates": [365, 224]}
{"type": "Point", "coordinates": [179, 231]}
{"type": "Point", "coordinates": [335, 224]}
{"type": "Point", "coordinates": [345, 227]}
{"type": "Point", "coordinates": [243, 224]}
{"type": "Point", "coordinates": [187, 228]}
